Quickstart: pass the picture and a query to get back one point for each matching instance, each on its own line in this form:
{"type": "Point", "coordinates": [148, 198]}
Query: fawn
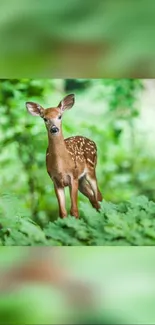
{"type": "Point", "coordinates": [70, 162]}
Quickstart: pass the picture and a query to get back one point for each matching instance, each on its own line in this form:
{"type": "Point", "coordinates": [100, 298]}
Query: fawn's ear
{"type": "Point", "coordinates": [67, 102]}
{"type": "Point", "coordinates": [35, 109]}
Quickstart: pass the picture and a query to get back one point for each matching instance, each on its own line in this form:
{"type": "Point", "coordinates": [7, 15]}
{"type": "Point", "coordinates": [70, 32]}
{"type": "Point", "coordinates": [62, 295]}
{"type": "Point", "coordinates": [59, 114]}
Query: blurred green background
{"type": "Point", "coordinates": [101, 38]}
{"type": "Point", "coordinates": [118, 114]}
{"type": "Point", "coordinates": [121, 281]}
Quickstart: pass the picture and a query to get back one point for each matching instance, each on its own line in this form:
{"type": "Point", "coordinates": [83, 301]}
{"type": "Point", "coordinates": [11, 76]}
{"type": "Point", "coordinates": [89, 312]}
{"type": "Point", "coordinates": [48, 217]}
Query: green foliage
{"type": "Point", "coordinates": [111, 39]}
{"type": "Point", "coordinates": [128, 223]}
{"type": "Point", "coordinates": [19, 136]}
{"type": "Point", "coordinates": [105, 110]}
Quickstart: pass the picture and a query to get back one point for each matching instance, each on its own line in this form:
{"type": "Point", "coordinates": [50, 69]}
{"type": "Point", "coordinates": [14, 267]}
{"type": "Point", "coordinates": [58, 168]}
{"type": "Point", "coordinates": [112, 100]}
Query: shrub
{"type": "Point", "coordinates": [127, 223]}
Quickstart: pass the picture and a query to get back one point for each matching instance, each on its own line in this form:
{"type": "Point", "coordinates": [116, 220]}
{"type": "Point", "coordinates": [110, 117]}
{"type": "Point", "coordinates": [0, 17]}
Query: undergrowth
{"type": "Point", "coordinates": [128, 223]}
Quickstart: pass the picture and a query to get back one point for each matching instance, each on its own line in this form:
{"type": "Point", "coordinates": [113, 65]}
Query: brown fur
{"type": "Point", "coordinates": [70, 162]}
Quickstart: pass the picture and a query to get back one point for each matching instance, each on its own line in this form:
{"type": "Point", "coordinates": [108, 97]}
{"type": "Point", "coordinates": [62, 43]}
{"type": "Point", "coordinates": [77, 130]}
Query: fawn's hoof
{"type": "Point", "coordinates": [74, 213]}
{"type": "Point", "coordinates": [96, 205]}
{"type": "Point", "coordinates": [63, 215]}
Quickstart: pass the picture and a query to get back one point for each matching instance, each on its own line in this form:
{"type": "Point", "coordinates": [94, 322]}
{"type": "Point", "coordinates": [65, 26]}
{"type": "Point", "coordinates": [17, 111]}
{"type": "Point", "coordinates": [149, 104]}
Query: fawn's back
{"type": "Point", "coordinates": [83, 152]}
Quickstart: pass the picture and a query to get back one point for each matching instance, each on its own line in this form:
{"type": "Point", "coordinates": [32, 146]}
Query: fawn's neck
{"type": "Point", "coordinates": [56, 145]}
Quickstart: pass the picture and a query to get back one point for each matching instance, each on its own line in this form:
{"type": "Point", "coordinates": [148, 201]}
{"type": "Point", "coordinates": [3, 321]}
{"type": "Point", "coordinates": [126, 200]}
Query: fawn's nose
{"type": "Point", "coordinates": [54, 129]}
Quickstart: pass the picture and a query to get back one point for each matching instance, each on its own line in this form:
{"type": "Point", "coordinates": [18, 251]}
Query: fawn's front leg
{"type": "Point", "coordinates": [74, 198]}
{"type": "Point", "coordinates": [61, 200]}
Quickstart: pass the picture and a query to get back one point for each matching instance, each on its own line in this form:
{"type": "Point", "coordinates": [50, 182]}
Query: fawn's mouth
{"type": "Point", "coordinates": [54, 129]}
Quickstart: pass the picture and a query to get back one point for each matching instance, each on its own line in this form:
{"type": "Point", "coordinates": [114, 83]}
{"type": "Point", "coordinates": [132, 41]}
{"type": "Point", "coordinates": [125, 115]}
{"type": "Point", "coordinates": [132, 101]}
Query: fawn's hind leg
{"type": "Point", "coordinates": [92, 180]}
{"type": "Point", "coordinates": [86, 190]}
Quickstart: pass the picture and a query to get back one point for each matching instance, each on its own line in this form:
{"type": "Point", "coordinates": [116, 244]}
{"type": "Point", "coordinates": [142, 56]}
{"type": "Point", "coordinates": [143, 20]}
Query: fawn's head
{"type": "Point", "coordinates": [52, 116]}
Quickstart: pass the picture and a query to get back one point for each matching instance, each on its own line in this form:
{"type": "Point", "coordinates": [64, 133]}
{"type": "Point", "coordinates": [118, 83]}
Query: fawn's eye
{"type": "Point", "coordinates": [59, 117]}
{"type": "Point", "coordinates": [45, 119]}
